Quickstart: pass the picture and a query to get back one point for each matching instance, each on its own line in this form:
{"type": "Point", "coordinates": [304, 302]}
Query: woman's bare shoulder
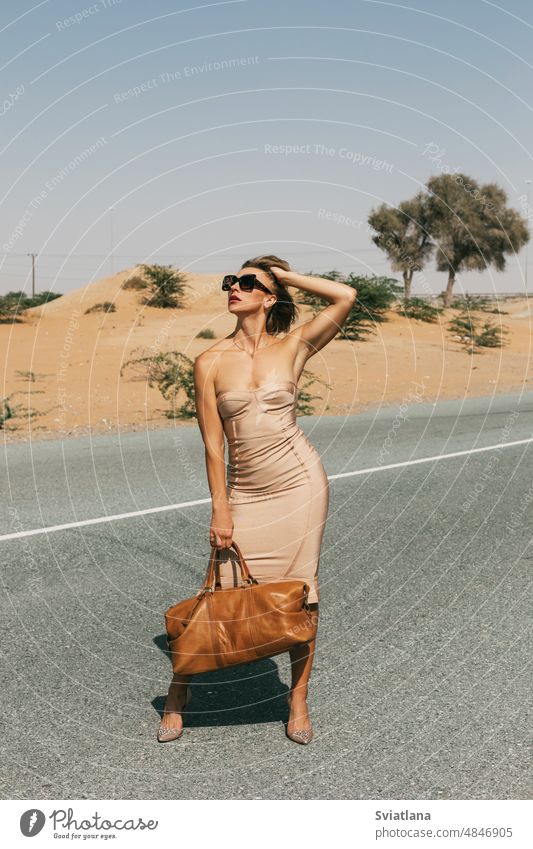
{"type": "Point", "coordinates": [219, 347]}
{"type": "Point", "coordinates": [207, 363]}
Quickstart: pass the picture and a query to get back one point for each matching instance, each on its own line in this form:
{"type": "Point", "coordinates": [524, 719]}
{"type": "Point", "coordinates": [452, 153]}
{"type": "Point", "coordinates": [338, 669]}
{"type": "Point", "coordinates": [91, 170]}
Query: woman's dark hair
{"type": "Point", "coordinates": [284, 312]}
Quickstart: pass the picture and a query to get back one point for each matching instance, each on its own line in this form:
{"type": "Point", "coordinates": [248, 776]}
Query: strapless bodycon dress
{"type": "Point", "coordinates": [277, 488]}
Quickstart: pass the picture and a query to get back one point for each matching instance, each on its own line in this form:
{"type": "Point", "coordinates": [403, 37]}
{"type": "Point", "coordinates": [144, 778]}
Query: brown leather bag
{"type": "Point", "coordinates": [223, 627]}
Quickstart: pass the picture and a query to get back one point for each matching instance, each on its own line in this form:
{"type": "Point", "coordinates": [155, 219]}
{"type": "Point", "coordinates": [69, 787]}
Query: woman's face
{"type": "Point", "coordinates": [239, 301]}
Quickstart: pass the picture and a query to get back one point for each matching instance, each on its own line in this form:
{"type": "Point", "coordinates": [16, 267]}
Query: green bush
{"type": "Point", "coordinates": [474, 303]}
{"type": "Point", "coordinates": [10, 411]}
{"type": "Point", "coordinates": [472, 337]}
{"type": "Point", "coordinates": [420, 309]}
{"type": "Point", "coordinates": [134, 282]}
{"type": "Point", "coordinates": [375, 297]}
{"type": "Point", "coordinates": [490, 336]}
{"type": "Point", "coordinates": [167, 286]}
{"type": "Point", "coordinates": [304, 405]}
{"type": "Point", "coordinates": [42, 298]}
{"type": "Point", "coordinates": [10, 312]}
{"type": "Point", "coordinates": [206, 334]}
{"type": "Point", "coordinates": [27, 375]}
{"type": "Point", "coordinates": [172, 373]}
{"type": "Point", "coordinates": [104, 306]}
{"type": "Point", "coordinates": [5, 412]}
{"type": "Point", "coordinates": [14, 304]}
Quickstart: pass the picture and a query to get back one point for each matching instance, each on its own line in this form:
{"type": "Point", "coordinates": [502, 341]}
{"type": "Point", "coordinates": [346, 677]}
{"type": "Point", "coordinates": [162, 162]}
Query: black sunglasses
{"type": "Point", "coordinates": [246, 283]}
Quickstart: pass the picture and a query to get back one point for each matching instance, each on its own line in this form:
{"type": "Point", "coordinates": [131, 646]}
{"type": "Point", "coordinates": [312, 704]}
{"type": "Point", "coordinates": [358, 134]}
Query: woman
{"type": "Point", "coordinates": [276, 499]}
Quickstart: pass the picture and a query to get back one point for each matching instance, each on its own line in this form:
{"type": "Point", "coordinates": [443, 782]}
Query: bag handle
{"type": "Point", "coordinates": [213, 569]}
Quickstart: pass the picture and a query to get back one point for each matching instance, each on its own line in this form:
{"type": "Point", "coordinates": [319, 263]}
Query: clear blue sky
{"type": "Point", "coordinates": [217, 131]}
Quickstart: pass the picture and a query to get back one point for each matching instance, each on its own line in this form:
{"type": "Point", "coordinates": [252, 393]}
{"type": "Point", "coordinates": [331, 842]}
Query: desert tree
{"type": "Point", "coordinates": [401, 232]}
{"type": "Point", "coordinates": [471, 225]}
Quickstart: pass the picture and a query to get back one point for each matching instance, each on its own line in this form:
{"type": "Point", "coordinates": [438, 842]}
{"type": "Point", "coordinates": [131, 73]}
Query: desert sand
{"type": "Point", "coordinates": [76, 387]}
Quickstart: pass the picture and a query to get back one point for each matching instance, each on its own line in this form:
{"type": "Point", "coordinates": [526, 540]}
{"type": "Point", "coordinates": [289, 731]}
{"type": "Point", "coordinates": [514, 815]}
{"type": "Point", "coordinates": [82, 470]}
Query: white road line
{"type": "Point", "coordinates": [117, 516]}
{"type": "Point", "coordinates": [431, 459]}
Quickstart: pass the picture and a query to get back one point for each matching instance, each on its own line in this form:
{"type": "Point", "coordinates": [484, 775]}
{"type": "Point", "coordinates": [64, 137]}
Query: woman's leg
{"type": "Point", "coordinates": [175, 701]}
{"type": "Point", "coordinates": [301, 664]}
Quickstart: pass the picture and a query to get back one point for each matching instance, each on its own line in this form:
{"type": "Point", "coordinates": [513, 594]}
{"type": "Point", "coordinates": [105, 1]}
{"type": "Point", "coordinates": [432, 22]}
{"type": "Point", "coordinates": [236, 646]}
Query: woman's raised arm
{"type": "Point", "coordinates": [318, 331]}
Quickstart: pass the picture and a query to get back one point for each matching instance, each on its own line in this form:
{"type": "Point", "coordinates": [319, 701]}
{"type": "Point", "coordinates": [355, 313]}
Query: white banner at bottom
{"type": "Point", "coordinates": [275, 824]}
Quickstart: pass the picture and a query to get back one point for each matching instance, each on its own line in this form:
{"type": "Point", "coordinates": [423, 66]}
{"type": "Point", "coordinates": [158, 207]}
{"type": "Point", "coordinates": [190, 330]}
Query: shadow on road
{"type": "Point", "coordinates": [247, 694]}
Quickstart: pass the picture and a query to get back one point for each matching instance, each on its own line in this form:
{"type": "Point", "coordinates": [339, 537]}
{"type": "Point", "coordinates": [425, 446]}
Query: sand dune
{"type": "Point", "coordinates": [76, 360]}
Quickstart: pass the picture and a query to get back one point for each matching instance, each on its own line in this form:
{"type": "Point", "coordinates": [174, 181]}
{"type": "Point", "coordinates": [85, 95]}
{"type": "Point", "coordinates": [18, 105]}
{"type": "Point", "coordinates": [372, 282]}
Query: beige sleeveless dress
{"type": "Point", "coordinates": [277, 488]}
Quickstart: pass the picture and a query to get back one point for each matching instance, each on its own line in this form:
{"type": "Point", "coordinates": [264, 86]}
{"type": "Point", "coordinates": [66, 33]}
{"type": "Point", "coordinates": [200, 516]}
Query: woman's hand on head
{"type": "Point", "coordinates": [282, 276]}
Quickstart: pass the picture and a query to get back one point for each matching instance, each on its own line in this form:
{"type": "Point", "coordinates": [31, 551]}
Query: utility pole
{"type": "Point", "coordinates": [33, 274]}
{"type": "Point", "coordinates": [111, 246]}
{"type": "Point", "coordinates": [528, 184]}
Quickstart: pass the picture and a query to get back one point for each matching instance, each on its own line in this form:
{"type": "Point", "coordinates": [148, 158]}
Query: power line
{"type": "Point", "coordinates": [179, 255]}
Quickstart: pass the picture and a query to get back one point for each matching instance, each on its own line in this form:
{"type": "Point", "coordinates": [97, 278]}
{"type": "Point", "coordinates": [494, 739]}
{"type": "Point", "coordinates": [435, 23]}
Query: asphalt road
{"type": "Point", "coordinates": [420, 688]}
